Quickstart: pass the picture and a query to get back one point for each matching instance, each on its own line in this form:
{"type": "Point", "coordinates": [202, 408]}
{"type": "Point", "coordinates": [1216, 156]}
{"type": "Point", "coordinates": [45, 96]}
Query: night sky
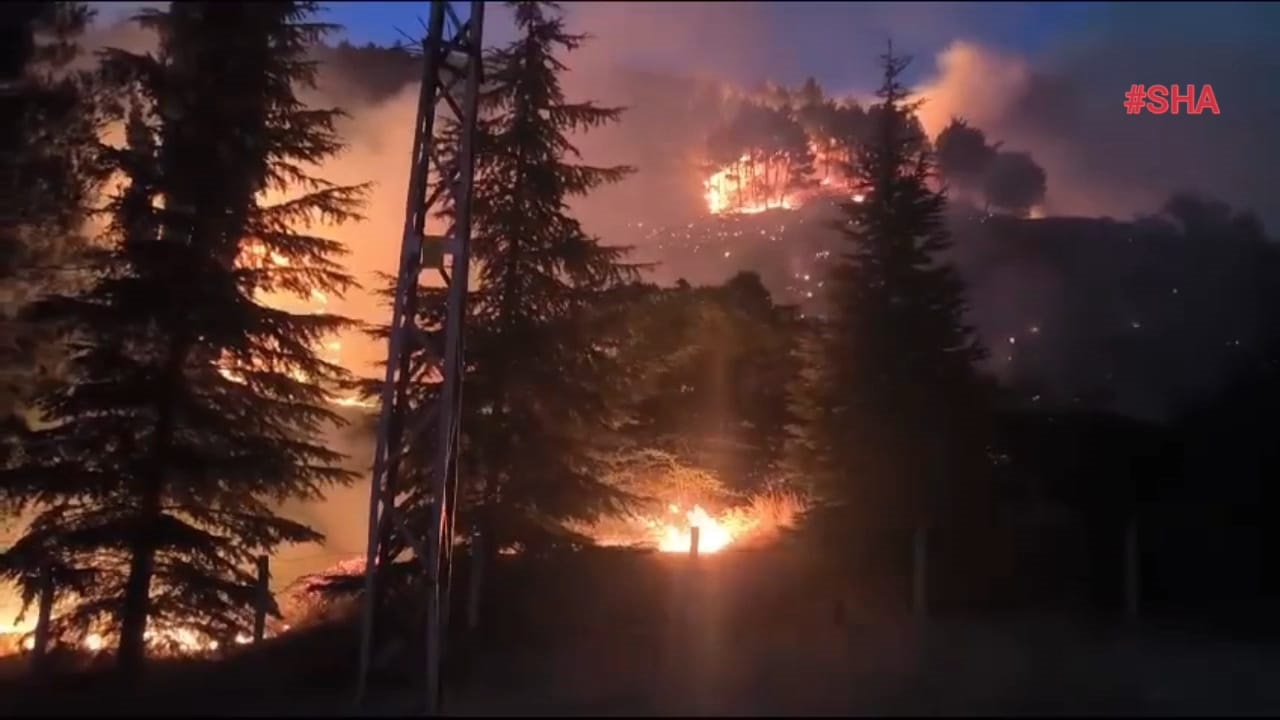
{"type": "Point", "coordinates": [810, 29]}
{"type": "Point", "coordinates": [829, 39]}
{"type": "Point", "coordinates": [1024, 27]}
{"type": "Point", "coordinates": [826, 39]}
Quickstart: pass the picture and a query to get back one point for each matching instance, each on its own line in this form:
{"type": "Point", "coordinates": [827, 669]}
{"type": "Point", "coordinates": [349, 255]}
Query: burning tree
{"type": "Point", "coordinates": [835, 130]}
{"type": "Point", "coordinates": [758, 160]}
{"type": "Point", "coordinates": [892, 407]}
{"type": "Point", "coordinates": [191, 408]}
{"type": "Point", "coordinates": [782, 147]}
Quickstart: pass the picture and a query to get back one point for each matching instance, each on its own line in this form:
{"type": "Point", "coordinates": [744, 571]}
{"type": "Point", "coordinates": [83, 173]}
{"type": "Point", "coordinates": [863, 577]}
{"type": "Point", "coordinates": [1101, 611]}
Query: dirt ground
{"type": "Point", "coordinates": [1033, 667]}
{"type": "Point", "coordinates": [710, 645]}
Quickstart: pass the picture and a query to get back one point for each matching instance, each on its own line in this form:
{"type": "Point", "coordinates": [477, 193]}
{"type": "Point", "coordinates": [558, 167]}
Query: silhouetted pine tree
{"type": "Point", "coordinates": [537, 409]}
{"type": "Point", "coordinates": [711, 371]}
{"type": "Point", "coordinates": [193, 408]}
{"type": "Point", "coordinates": [48, 118]}
{"type": "Point", "coordinates": [893, 409]}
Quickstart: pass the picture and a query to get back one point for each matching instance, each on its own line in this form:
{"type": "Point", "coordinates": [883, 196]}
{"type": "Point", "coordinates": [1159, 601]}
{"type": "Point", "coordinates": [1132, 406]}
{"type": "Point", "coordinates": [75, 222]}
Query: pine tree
{"type": "Point", "coordinates": [48, 119]}
{"type": "Point", "coordinates": [193, 408]}
{"type": "Point", "coordinates": [710, 369]}
{"type": "Point", "coordinates": [537, 415]}
{"type": "Point", "coordinates": [893, 409]}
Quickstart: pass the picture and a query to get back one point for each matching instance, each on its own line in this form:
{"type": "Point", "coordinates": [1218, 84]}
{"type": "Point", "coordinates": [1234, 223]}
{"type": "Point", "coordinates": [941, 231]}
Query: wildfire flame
{"type": "Point", "coordinates": [755, 183]}
{"type": "Point", "coordinates": [759, 520]}
{"type": "Point", "coordinates": [168, 641]}
{"type": "Point", "coordinates": [749, 186]}
{"type": "Point", "coordinates": [713, 536]}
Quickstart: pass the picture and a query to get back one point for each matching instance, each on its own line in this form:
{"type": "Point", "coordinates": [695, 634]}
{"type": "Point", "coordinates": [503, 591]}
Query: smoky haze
{"type": "Point", "coordinates": [669, 63]}
{"type": "Point", "coordinates": [666, 63]}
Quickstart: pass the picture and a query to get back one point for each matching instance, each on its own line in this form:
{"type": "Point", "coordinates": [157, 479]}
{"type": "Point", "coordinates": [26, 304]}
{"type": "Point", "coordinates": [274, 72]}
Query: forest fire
{"type": "Point", "coordinates": [759, 181]}
{"type": "Point", "coordinates": [749, 186]}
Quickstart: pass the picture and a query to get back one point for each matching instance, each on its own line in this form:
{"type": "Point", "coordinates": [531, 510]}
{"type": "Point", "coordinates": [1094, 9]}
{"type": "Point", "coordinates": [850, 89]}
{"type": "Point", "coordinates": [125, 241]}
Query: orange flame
{"type": "Point", "coordinates": [754, 184]}
{"type": "Point", "coordinates": [758, 521]}
{"type": "Point", "coordinates": [713, 536]}
{"type": "Point", "coordinates": [174, 640]}
{"type": "Point", "coordinates": [749, 186]}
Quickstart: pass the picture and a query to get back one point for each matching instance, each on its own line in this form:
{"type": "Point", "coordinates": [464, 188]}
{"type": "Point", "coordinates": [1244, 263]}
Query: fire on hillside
{"type": "Point", "coordinates": [759, 181]}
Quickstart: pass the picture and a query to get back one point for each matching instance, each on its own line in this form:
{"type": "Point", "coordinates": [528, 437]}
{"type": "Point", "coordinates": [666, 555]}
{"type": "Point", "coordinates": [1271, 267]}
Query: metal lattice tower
{"type": "Point", "coordinates": [450, 87]}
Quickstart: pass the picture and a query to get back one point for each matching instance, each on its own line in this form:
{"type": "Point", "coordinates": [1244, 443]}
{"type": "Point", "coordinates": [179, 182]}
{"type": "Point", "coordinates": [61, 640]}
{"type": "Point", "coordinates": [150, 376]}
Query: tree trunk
{"type": "Point", "coordinates": [132, 652]}
{"type": "Point", "coordinates": [1132, 571]}
{"type": "Point", "coordinates": [480, 552]}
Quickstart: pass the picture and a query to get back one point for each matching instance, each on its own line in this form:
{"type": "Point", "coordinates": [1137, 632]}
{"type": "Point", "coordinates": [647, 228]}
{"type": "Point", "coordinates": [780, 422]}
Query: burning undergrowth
{"type": "Point", "coordinates": [162, 641]}
{"type": "Point", "coordinates": [677, 497]}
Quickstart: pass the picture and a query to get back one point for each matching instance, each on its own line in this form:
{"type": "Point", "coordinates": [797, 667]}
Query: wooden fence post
{"type": "Point", "coordinates": [40, 649]}
{"type": "Point", "coordinates": [920, 571]}
{"type": "Point", "coordinates": [1132, 571]}
{"type": "Point", "coordinates": [263, 599]}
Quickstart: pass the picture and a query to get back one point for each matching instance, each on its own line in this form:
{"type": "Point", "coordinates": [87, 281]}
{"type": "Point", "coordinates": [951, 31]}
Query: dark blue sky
{"type": "Point", "coordinates": [812, 32]}
{"type": "Point", "coordinates": [1017, 26]}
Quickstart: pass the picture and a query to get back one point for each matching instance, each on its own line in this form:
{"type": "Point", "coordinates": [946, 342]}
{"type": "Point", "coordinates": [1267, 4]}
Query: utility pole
{"type": "Point", "coordinates": [450, 88]}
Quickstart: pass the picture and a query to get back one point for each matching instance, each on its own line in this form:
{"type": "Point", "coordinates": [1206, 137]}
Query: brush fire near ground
{"type": "Point", "coordinates": [758, 521]}
{"type": "Point", "coordinates": [20, 637]}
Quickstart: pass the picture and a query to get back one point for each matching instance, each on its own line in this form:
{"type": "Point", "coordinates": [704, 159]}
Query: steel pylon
{"type": "Point", "coordinates": [440, 179]}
